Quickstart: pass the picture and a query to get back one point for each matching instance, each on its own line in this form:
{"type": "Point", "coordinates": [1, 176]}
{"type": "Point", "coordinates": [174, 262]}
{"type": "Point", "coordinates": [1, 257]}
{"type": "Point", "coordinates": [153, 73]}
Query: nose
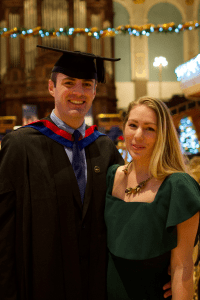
{"type": "Point", "coordinates": [78, 89]}
{"type": "Point", "coordinates": [139, 133]}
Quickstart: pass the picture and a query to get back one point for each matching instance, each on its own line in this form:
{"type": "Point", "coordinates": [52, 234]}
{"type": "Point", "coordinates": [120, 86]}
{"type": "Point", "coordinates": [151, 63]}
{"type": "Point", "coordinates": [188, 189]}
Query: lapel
{"type": "Point", "coordinates": [66, 190]}
{"type": "Point", "coordinates": [88, 190]}
{"type": "Point", "coordinates": [94, 160]}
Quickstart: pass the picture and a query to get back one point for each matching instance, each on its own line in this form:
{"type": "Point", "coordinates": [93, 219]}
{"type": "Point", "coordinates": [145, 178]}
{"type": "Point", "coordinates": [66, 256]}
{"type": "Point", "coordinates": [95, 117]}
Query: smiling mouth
{"type": "Point", "coordinates": [138, 147]}
{"type": "Point", "coordinates": [76, 102]}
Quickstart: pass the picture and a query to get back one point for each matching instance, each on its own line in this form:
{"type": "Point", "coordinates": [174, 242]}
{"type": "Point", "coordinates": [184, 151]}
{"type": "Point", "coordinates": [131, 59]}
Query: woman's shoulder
{"type": "Point", "coordinates": [183, 179]}
{"type": "Point", "coordinates": [116, 169]}
{"type": "Point", "coordinates": [111, 172]}
{"type": "Point", "coordinates": [115, 174]}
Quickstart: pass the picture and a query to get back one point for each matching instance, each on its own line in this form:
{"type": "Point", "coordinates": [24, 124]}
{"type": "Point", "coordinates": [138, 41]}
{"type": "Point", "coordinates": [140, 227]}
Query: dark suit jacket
{"type": "Point", "coordinates": [52, 247]}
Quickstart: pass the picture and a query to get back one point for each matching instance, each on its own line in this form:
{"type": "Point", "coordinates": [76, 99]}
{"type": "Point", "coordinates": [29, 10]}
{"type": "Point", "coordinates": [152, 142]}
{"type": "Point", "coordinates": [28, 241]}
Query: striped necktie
{"type": "Point", "coordinates": [78, 164]}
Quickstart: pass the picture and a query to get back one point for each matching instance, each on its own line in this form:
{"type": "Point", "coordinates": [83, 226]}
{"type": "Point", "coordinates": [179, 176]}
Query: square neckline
{"type": "Point", "coordinates": [136, 201]}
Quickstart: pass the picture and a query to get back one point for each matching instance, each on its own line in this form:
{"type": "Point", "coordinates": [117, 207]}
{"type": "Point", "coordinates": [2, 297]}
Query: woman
{"type": "Point", "coordinates": [152, 210]}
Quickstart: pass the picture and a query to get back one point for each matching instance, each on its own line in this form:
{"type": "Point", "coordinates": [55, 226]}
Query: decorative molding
{"type": "Point", "coordinates": [179, 6]}
{"type": "Point", "coordinates": [138, 1]}
{"type": "Point", "coordinates": [189, 2]}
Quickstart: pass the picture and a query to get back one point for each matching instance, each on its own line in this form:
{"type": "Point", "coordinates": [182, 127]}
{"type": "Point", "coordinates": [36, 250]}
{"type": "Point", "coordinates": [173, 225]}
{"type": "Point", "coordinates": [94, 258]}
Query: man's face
{"type": "Point", "coordinates": [73, 98]}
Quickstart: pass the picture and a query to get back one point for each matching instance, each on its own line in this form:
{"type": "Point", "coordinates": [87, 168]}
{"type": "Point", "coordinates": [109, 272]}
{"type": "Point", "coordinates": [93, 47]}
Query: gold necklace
{"type": "Point", "coordinates": [138, 188]}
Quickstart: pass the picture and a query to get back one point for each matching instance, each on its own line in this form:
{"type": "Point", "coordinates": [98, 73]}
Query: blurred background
{"type": "Point", "coordinates": [158, 43]}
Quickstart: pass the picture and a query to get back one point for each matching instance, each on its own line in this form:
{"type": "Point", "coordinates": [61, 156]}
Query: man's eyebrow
{"type": "Point", "coordinates": [146, 123]}
{"type": "Point", "coordinates": [90, 80]}
{"type": "Point", "coordinates": [69, 78]}
{"type": "Point", "coordinates": [74, 79]}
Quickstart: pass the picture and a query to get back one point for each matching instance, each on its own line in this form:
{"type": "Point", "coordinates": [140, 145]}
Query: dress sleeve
{"type": "Point", "coordinates": [185, 199]}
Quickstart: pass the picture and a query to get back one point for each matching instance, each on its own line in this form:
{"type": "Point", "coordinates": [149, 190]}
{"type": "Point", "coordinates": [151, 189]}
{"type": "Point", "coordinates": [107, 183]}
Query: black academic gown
{"type": "Point", "coordinates": [51, 246]}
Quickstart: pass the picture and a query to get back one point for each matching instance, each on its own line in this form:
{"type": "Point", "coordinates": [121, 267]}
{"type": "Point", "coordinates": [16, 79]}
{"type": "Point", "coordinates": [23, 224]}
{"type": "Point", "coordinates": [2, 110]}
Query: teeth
{"type": "Point", "coordinates": [76, 102]}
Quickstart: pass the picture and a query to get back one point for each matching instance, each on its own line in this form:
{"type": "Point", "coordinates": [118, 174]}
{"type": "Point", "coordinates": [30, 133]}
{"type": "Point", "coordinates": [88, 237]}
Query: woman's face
{"type": "Point", "coordinates": [140, 132]}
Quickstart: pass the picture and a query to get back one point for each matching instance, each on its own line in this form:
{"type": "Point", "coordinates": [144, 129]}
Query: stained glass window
{"type": "Point", "coordinates": [188, 136]}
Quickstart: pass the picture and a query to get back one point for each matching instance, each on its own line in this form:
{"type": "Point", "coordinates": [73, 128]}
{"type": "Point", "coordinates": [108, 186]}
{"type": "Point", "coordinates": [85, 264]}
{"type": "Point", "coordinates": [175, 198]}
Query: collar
{"type": "Point", "coordinates": [63, 137]}
{"type": "Point", "coordinates": [62, 125]}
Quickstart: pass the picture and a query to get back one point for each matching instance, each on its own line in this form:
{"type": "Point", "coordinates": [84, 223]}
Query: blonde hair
{"type": "Point", "coordinates": [194, 165]}
{"type": "Point", "coordinates": [167, 157]}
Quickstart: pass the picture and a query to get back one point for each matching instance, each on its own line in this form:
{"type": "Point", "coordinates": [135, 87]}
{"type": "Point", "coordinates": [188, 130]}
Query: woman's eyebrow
{"type": "Point", "coordinates": [146, 123]}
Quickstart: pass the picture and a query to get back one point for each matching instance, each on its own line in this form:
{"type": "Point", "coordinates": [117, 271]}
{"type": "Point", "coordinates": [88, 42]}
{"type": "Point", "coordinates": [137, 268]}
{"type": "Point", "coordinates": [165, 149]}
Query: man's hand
{"type": "Point", "coordinates": [167, 286]}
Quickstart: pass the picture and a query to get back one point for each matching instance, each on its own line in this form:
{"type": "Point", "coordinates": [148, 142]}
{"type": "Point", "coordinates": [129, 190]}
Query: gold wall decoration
{"type": "Point", "coordinates": [189, 2]}
{"type": "Point", "coordinates": [138, 1]}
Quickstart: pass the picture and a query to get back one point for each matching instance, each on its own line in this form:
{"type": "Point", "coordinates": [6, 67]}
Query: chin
{"type": "Point", "coordinates": [135, 156]}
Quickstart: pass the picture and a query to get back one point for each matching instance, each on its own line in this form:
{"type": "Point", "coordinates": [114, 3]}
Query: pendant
{"type": "Point", "coordinates": [138, 188]}
{"type": "Point", "coordinates": [130, 191]}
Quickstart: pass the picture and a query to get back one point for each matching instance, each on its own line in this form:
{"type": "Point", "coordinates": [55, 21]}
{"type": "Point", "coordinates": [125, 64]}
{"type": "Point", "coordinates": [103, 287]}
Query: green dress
{"type": "Point", "coordinates": [140, 236]}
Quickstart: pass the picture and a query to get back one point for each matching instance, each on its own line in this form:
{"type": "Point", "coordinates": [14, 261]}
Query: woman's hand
{"type": "Point", "coordinates": [167, 286]}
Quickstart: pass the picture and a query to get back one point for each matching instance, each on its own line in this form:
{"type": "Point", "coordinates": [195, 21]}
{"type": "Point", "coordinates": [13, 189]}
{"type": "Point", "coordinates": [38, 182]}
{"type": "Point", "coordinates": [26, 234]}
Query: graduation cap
{"type": "Point", "coordinates": [80, 64]}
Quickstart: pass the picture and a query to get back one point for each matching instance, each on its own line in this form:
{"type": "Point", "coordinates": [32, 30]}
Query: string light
{"type": "Point", "coordinates": [135, 30]}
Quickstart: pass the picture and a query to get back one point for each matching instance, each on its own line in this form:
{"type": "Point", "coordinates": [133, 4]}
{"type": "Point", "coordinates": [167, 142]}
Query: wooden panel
{"type": "Point", "coordinates": [11, 3]}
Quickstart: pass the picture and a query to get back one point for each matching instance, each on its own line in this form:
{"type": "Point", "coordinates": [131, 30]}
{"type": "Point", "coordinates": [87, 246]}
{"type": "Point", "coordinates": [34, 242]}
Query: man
{"type": "Point", "coordinates": [52, 231]}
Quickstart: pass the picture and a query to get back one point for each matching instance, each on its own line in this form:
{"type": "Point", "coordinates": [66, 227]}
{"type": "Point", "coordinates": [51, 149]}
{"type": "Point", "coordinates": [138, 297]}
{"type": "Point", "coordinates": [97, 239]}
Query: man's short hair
{"type": "Point", "coordinates": [53, 77]}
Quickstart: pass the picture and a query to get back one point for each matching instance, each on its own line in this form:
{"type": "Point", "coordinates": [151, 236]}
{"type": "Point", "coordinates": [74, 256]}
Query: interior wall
{"type": "Point", "coordinates": [124, 86]}
{"type": "Point", "coordinates": [122, 45]}
{"type": "Point", "coordinates": [167, 45]}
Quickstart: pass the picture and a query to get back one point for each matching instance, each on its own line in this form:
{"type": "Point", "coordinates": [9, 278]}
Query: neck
{"type": "Point", "coordinates": [140, 169]}
{"type": "Point", "coordinates": [74, 123]}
